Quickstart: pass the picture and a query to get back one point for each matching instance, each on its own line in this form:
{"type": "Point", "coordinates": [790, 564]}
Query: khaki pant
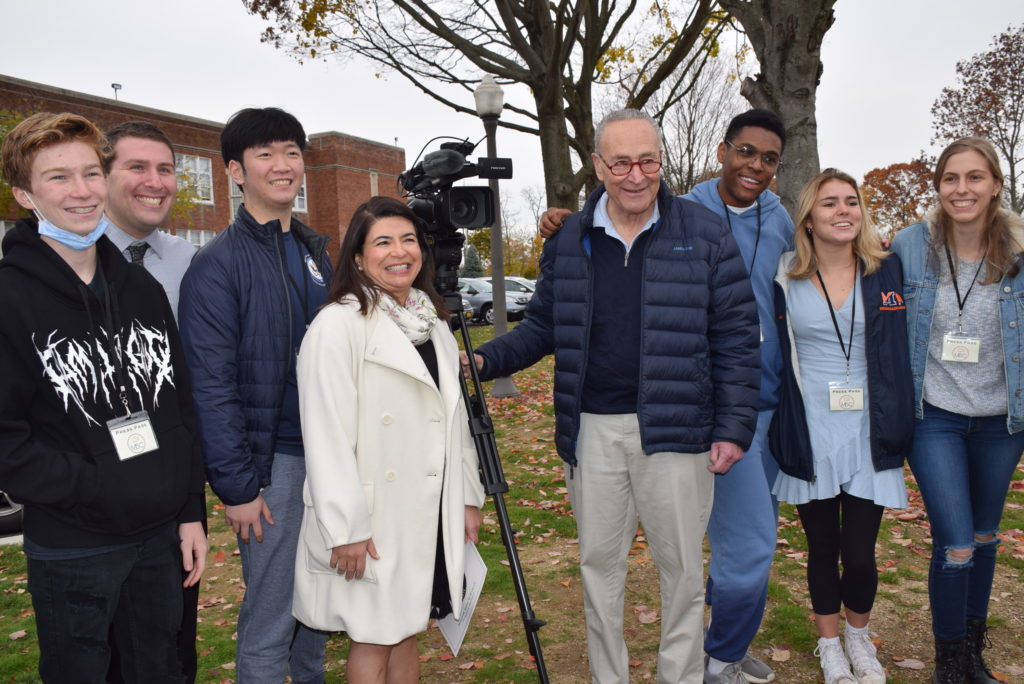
{"type": "Point", "coordinates": [613, 482]}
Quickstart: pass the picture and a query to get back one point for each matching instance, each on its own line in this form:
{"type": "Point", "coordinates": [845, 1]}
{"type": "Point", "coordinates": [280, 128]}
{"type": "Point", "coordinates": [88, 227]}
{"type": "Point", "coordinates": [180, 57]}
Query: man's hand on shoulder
{"type": "Point", "coordinates": [723, 455]}
{"type": "Point", "coordinates": [551, 221]}
{"type": "Point", "coordinates": [247, 515]}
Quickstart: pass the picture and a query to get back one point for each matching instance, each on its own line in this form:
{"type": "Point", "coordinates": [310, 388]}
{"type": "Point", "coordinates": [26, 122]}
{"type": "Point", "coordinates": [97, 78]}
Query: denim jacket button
{"type": "Point", "coordinates": [1013, 324]}
{"type": "Point", "coordinates": [1006, 289]}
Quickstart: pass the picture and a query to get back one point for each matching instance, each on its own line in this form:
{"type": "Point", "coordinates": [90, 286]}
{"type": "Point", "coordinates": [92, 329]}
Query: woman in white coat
{"type": "Point", "coordinates": [392, 486]}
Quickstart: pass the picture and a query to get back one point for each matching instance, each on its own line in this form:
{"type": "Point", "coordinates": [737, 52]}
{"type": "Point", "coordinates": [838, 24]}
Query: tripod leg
{"type": "Point", "coordinates": [493, 478]}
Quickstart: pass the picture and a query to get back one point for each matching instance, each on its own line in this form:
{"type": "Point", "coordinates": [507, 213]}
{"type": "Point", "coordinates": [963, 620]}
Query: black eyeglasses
{"type": "Point", "coordinates": [748, 153]}
{"type": "Point", "coordinates": [623, 167]}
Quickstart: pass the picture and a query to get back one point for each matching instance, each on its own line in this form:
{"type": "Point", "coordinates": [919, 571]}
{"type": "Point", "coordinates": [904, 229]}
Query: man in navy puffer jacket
{"type": "Point", "coordinates": [246, 301]}
{"type": "Point", "coordinates": [645, 301]}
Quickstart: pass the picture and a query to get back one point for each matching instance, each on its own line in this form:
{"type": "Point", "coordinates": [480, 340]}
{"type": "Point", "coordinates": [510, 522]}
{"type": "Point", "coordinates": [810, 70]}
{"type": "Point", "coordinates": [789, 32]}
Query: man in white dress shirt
{"type": "Point", "coordinates": [141, 188]}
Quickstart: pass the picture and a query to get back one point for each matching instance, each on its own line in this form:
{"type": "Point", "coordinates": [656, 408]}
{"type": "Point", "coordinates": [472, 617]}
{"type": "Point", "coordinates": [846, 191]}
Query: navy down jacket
{"type": "Point", "coordinates": [699, 366]}
{"type": "Point", "coordinates": [235, 318]}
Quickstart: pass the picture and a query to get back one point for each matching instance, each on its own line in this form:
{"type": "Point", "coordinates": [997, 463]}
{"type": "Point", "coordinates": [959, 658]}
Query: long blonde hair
{"type": "Point", "coordinates": [867, 246]}
{"type": "Point", "coordinates": [1001, 256]}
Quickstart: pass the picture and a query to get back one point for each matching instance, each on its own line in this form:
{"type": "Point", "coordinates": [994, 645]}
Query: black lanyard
{"type": "Point", "coordinates": [112, 315]}
{"type": "Point", "coordinates": [956, 287]}
{"type": "Point", "coordinates": [304, 295]}
{"type": "Point", "coordinates": [847, 348]}
{"type": "Point", "coordinates": [757, 239]}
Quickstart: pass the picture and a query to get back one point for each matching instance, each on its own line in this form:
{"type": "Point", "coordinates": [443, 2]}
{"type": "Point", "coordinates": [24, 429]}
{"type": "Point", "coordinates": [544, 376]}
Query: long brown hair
{"type": "Point", "coordinates": [1001, 256]}
{"type": "Point", "coordinates": [867, 246]}
{"type": "Point", "coordinates": [349, 280]}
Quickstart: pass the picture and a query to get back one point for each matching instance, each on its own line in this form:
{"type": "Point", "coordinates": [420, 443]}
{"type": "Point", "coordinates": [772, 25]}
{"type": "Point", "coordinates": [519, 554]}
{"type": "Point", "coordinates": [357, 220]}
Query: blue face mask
{"type": "Point", "coordinates": [67, 238]}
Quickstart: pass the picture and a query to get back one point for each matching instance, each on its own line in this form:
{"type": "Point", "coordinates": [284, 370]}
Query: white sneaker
{"type": "Point", "coordinates": [864, 659]}
{"type": "Point", "coordinates": [833, 663]}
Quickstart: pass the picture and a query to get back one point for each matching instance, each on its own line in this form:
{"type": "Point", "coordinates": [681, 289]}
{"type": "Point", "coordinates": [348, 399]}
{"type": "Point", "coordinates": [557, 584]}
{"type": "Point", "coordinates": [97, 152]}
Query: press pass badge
{"type": "Point", "coordinates": [960, 348]}
{"type": "Point", "coordinates": [133, 435]}
{"type": "Point", "coordinates": [842, 397]}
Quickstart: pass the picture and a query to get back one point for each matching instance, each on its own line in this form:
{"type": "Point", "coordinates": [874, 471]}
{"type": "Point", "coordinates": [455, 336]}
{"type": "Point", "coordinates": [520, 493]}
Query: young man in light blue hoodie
{"type": "Point", "coordinates": [742, 528]}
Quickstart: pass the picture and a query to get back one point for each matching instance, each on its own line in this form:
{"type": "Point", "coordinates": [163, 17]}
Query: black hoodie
{"type": "Point", "coordinates": [58, 391]}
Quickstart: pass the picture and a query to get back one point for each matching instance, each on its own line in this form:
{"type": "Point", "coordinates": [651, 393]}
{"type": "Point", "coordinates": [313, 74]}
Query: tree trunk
{"type": "Point", "coordinates": [554, 148]}
{"type": "Point", "coordinates": [786, 36]}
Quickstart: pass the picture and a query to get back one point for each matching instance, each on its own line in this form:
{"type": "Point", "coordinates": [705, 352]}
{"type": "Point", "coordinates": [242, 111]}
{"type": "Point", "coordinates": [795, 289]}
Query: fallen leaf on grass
{"type": "Point", "coordinates": [781, 655]}
{"type": "Point", "coordinates": [20, 634]}
{"type": "Point", "coordinates": [647, 618]}
{"type": "Point", "coordinates": [425, 657]}
{"type": "Point", "coordinates": [502, 656]}
{"type": "Point", "coordinates": [1000, 676]}
{"type": "Point", "coordinates": [219, 557]}
{"type": "Point", "coordinates": [635, 662]}
{"type": "Point", "coordinates": [227, 666]}
{"type": "Point", "coordinates": [445, 656]}
{"type": "Point", "coordinates": [476, 665]}
{"type": "Point", "coordinates": [908, 663]}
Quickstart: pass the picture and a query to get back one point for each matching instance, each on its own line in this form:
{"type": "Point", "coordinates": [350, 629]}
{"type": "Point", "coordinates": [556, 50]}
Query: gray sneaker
{"type": "Point", "coordinates": [756, 671]}
{"type": "Point", "coordinates": [730, 675]}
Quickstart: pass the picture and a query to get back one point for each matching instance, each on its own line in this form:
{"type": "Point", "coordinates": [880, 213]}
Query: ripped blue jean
{"type": "Point", "coordinates": [963, 467]}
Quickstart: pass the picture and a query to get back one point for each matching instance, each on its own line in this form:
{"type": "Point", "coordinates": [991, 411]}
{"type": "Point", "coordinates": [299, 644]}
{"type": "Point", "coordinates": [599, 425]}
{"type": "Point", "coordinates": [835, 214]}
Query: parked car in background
{"type": "Point", "coordinates": [467, 309]}
{"type": "Point", "coordinates": [480, 295]}
{"type": "Point", "coordinates": [10, 514]}
{"type": "Point", "coordinates": [518, 285]}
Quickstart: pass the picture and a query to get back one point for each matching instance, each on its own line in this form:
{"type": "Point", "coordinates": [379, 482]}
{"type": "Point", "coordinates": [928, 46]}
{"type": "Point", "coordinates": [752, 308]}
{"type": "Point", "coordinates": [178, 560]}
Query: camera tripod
{"type": "Point", "coordinates": [493, 478]}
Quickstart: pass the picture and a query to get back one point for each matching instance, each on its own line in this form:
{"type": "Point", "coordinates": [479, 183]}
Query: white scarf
{"type": "Point", "coordinates": [416, 318]}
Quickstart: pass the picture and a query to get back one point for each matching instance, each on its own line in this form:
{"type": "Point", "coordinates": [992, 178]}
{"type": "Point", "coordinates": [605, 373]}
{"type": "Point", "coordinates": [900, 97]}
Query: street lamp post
{"type": "Point", "coordinates": [489, 98]}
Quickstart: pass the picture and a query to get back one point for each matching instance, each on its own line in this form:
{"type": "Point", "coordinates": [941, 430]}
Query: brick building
{"type": "Point", "coordinates": [342, 171]}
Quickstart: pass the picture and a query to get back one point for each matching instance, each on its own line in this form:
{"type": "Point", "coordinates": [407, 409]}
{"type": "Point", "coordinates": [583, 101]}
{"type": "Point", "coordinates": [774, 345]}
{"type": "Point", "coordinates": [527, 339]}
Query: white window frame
{"type": "Point", "coordinates": [301, 203]}
{"type": "Point", "coordinates": [198, 237]}
{"type": "Point", "coordinates": [200, 170]}
{"type": "Point", "coordinates": [234, 197]}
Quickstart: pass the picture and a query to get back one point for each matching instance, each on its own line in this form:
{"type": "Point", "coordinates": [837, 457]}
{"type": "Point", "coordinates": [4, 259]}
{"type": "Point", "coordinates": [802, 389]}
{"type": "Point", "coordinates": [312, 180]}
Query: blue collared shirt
{"type": "Point", "coordinates": [167, 258]}
{"type": "Point", "coordinates": [603, 220]}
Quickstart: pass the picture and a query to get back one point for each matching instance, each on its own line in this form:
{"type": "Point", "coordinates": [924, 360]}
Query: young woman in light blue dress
{"type": "Point", "coordinates": [844, 423]}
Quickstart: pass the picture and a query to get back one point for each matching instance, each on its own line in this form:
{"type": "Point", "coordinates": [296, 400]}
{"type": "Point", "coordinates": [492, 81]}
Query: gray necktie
{"type": "Point", "coordinates": [137, 251]}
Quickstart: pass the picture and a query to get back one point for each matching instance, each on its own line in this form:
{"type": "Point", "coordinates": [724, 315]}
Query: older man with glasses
{"type": "Point", "coordinates": [645, 302]}
{"type": "Point", "coordinates": [742, 529]}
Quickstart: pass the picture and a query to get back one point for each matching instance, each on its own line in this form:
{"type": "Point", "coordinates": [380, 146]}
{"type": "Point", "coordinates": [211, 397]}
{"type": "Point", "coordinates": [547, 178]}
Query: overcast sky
{"type": "Point", "coordinates": [885, 62]}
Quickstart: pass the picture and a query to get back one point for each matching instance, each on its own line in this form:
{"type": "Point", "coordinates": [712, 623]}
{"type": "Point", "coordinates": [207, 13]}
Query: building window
{"type": "Point", "coordinates": [198, 237]}
{"type": "Point", "coordinates": [200, 172]}
{"type": "Point", "coordinates": [235, 195]}
{"type": "Point", "coordinates": [299, 206]}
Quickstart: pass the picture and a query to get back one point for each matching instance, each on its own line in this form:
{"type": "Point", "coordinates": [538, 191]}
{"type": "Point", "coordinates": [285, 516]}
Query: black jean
{"type": "Point", "coordinates": [134, 591]}
{"type": "Point", "coordinates": [844, 527]}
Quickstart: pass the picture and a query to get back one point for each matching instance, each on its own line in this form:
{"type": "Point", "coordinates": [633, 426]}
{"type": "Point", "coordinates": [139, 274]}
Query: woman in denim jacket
{"type": "Point", "coordinates": [965, 347]}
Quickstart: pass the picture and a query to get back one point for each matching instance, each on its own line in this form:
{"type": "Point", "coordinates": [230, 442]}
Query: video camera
{"type": "Point", "coordinates": [445, 209]}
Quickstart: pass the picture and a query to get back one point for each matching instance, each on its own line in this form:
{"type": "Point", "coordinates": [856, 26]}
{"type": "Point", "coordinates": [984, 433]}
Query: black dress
{"type": "Point", "coordinates": [440, 596]}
